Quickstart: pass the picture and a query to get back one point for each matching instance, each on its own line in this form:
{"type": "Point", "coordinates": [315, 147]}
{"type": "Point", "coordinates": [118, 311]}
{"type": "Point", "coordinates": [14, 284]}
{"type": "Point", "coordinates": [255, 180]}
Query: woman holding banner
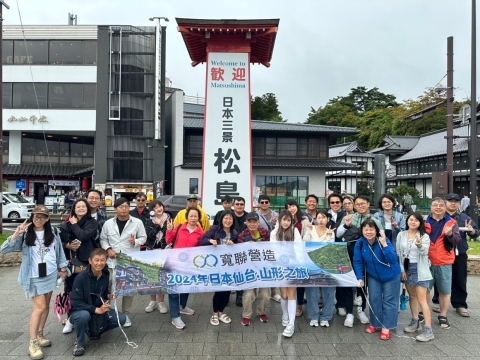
{"type": "Point", "coordinates": [222, 234]}
{"type": "Point", "coordinates": [286, 231]}
{"type": "Point", "coordinates": [184, 236]}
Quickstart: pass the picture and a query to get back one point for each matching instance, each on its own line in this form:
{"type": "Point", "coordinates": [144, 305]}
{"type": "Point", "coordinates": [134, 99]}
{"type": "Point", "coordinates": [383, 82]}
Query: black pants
{"type": "Point", "coordinates": [300, 295]}
{"type": "Point", "coordinates": [459, 282]}
{"type": "Point", "coordinates": [220, 300]}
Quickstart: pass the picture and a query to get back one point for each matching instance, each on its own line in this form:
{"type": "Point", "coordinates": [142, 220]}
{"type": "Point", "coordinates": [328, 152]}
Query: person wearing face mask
{"type": "Point", "coordinates": [392, 221]}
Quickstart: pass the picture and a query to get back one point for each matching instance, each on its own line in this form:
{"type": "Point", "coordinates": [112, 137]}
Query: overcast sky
{"type": "Point", "coordinates": [323, 48]}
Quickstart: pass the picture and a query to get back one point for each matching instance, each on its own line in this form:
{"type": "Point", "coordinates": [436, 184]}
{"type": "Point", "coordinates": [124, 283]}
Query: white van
{"type": "Point", "coordinates": [16, 207]}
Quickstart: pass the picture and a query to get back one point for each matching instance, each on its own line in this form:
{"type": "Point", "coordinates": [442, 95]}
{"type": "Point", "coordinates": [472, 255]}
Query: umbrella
{"type": "Point", "coordinates": [403, 300]}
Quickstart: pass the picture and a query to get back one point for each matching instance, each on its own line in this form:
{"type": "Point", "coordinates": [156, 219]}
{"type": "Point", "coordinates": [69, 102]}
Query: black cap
{"type": "Point", "coordinates": [452, 196]}
{"type": "Point", "coordinates": [252, 216]}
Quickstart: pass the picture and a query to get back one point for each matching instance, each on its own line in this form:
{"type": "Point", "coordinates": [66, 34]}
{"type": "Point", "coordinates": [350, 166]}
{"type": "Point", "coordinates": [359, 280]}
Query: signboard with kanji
{"type": "Point", "coordinates": [227, 164]}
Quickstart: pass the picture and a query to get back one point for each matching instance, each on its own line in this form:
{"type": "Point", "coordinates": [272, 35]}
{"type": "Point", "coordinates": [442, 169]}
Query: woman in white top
{"type": "Point", "coordinates": [286, 231]}
{"type": "Point", "coordinates": [320, 233]}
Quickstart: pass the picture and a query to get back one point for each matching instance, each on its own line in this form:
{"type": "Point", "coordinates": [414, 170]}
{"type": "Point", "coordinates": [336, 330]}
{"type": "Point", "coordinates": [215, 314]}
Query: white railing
{"type": "Point", "coordinates": [194, 100]}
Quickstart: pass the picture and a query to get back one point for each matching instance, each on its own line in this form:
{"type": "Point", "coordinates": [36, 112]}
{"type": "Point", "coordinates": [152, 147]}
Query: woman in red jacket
{"type": "Point", "coordinates": [184, 236]}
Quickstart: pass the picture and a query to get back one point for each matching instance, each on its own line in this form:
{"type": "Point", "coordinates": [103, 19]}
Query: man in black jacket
{"type": "Point", "coordinates": [90, 297]}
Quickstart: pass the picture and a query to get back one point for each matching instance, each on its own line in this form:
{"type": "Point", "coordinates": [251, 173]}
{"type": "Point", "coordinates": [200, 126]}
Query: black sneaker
{"type": "Point", "coordinates": [78, 350]}
{"type": "Point", "coordinates": [238, 301]}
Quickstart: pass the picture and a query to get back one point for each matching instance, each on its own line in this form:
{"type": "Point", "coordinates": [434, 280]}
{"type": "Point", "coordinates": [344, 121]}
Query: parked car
{"type": "Point", "coordinates": [16, 207]}
{"type": "Point", "coordinates": [174, 203]}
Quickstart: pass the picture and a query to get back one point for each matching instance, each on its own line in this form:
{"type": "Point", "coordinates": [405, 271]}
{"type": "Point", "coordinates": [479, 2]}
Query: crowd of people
{"type": "Point", "coordinates": [386, 252]}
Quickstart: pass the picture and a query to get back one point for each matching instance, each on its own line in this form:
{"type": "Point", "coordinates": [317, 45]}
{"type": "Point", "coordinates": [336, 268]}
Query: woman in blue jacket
{"type": "Point", "coordinates": [392, 221]}
{"type": "Point", "coordinates": [222, 234]}
{"type": "Point", "coordinates": [375, 253]}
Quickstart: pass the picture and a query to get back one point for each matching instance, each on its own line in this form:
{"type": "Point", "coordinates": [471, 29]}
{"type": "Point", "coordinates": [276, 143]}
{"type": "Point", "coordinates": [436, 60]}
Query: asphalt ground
{"type": "Point", "coordinates": [157, 338]}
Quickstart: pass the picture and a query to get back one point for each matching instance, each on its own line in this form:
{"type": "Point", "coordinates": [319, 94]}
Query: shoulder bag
{"type": "Point", "coordinates": [98, 322]}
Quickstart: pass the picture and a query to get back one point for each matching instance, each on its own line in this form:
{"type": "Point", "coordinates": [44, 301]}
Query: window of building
{"type": "Point", "coordinates": [7, 52]}
{"type": "Point", "coordinates": [258, 146]}
{"type": "Point", "coordinates": [271, 147]}
{"type": "Point", "coordinates": [90, 52]}
{"type": "Point", "coordinates": [35, 52]}
{"type": "Point", "coordinates": [193, 186]}
{"type": "Point", "coordinates": [7, 95]}
{"type": "Point", "coordinates": [25, 97]}
{"type": "Point", "coordinates": [442, 164]}
{"type": "Point", "coordinates": [66, 52]}
{"type": "Point", "coordinates": [422, 167]}
{"type": "Point", "coordinates": [302, 148]}
{"type": "Point", "coordinates": [125, 127]}
{"type": "Point", "coordinates": [287, 147]}
{"type": "Point", "coordinates": [194, 145]}
{"type": "Point", "coordinates": [128, 165]}
{"type": "Point", "coordinates": [65, 96]}
{"type": "Point", "coordinates": [89, 96]}
{"type": "Point", "coordinates": [281, 188]}
{"type": "Point", "coordinates": [5, 145]}
{"type": "Point", "coordinates": [361, 163]}
{"type": "Point", "coordinates": [335, 186]}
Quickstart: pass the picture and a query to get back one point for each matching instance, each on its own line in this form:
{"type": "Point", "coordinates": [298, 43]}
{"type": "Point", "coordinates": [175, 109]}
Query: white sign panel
{"type": "Point", "coordinates": [227, 159]}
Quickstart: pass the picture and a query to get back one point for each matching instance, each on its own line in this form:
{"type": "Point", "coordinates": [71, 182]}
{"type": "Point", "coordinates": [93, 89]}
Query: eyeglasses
{"type": "Point", "coordinates": [238, 204]}
{"type": "Point", "coordinates": [264, 202]}
{"type": "Point", "coordinates": [141, 200]}
{"type": "Point", "coordinates": [438, 205]}
{"type": "Point", "coordinates": [41, 218]}
{"type": "Point", "coordinates": [334, 202]}
{"type": "Point", "coordinates": [361, 204]}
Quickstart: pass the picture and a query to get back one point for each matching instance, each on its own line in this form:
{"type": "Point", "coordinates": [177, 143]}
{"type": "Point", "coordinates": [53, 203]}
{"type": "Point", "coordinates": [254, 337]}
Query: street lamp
{"type": "Point", "coordinates": [159, 18]}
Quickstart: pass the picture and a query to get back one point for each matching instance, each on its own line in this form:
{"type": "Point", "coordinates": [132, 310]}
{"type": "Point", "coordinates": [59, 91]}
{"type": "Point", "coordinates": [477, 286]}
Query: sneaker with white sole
{"type": "Point", "coordinates": [349, 320]}
{"type": "Point", "coordinates": [324, 323]}
{"type": "Point", "coordinates": [289, 330]}
{"type": "Point", "coordinates": [276, 298]}
{"type": "Point", "coordinates": [187, 311]}
{"type": "Point", "coordinates": [314, 323]}
{"type": "Point", "coordinates": [151, 306]}
{"type": "Point", "coordinates": [413, 326]}
{"type": "Point", "coordinates": [178, 323]}
{"type": "Point", "coordinates": [285, 320]}
{"type": "Point", "coordinates": [357, 301]}
{"type": "Point", "coordinates": [128, 322]}
{"type": "Point", "coordinates": [68, 328]}
{"type": "Point", "coordinates": [162, 308]}
{"type": "Point", "coordinates": [341, 311]}
{"type": "Point", "coordinates": [426, 335]}
{"type": "Point", "coordinates": [363, 317]}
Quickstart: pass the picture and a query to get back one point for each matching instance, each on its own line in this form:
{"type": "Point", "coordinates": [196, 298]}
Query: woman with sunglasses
{"type": "Point", "coordinates": [301, 224]}
{"type": "Point", "coordinates": [78, 236]}
{"type": "Point", "coordinates": [43, 263]}
{"type": "Point", "coordinates": [375, 255]}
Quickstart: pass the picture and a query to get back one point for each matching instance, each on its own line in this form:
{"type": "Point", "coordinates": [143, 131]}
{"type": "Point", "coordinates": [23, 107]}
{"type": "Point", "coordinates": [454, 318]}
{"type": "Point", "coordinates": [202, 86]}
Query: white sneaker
{"type": "Point", "coordinates": [151, 306]}
{"type": "Point", "coordinates": [128, 322]}
{"type": "Point", "coordinates": [276, 298]}
{"type": "Point", "coordinates": [178, 323]}
{"type": "Point", "coordinates": [285, 320]}
{"type": "Point", "coordinates": [363, 317]}
{"type": "Point", "coordinates": [349, 320]}
{"type": "Point", "coordinates": [314, 323]}
{"type": "Point", "coordinates": [68, 328]}
{"type": "Point", "coordinates": [289, 330]}
{"type": "Point", "coordinates": [342, 312]}
{"type": "Point", "coordinates": [357, 301]}
{"type": "Point", "coordinates": [324, 323]}
{"type": "Point", "coordinates": [162, 308]}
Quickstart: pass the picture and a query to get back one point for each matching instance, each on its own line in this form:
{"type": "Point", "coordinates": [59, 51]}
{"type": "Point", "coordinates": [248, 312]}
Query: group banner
{"type": "Point", "coordinates": [234, 267]}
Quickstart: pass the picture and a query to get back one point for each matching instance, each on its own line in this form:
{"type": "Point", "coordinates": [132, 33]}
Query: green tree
{"type": "Point", "coordinates": [401, 190]}
{"type": "Point", "coordinates": [265, 108]}
{"type": "Point", "coordinates": [360, 100]}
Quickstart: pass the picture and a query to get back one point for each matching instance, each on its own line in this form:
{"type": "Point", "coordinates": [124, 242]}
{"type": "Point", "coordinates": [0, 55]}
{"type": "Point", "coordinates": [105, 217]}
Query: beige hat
{"type": "Point", "coordinates": [40, 210]}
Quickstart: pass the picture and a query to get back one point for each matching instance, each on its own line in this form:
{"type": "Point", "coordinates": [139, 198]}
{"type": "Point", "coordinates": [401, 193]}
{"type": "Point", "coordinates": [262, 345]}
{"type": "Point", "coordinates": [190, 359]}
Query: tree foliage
{"type": "Point", "coordinates": [265, 108]}
{"type": "Point", "coordinates": [401, 190]}
{"type": "Point", "coordinates": [331, 258]}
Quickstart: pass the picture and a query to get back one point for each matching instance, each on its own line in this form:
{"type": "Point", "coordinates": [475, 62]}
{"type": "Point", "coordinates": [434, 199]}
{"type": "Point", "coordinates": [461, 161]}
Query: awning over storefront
{"type": "Point", "coordinates": [45, 170]}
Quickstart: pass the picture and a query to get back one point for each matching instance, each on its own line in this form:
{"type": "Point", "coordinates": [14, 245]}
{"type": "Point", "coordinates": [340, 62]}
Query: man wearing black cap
{"type": "Point", "coordinates": [227, 202]}
{"type": "Point", "coordinates": [181, 218]}
{"type": "Point", "coordinates": [254, 232]}
{"type": "Point", "coordinates": [459, 268]}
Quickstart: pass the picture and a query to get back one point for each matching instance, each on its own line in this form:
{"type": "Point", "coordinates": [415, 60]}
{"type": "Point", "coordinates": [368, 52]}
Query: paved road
{"type": "Point", "coordinates": [158, 339]}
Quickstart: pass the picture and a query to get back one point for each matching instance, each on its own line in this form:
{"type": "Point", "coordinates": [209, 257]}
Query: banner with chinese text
{"type": "Point", "coordinates": [242, 266]}
{"type": "Point", "coordinates": [227, 166]}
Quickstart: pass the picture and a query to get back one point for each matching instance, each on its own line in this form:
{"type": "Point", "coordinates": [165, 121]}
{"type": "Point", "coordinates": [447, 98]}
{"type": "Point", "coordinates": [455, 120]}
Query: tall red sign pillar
{"type": "Point", "coordinates": [228, 47]}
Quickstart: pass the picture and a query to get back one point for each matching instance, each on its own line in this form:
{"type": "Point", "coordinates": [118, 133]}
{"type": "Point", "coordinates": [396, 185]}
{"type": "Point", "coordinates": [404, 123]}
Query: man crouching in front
{"type": "Point", "coordinates": [91, 302]}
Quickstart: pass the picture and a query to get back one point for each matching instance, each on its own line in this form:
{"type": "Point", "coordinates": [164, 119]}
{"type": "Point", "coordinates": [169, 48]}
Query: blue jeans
{"type": "Point", "coordinates": [313, 294]}
{"type": "Point", "coordinates": [384, 299]}
{"type": "Point", "coordinates": [81, 318]}
{"type": "Point", "coordinates": [175, 301]}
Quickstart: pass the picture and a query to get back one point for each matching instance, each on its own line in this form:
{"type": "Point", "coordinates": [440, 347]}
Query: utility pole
{"type": "Point", "coordinates": [2, 4]}
{"type": "Point", "coordinates": [473, 120]}
{"type": "Point", "coordinates": [450, 113]}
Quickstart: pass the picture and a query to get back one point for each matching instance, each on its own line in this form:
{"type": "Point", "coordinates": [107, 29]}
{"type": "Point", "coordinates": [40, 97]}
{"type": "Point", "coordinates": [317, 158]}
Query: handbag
{"type": "Point", "coordinates": [62, 305]}
{"type": "Point", "coordinates": [351, 234]}
{"type": "Point", "coordinates": [76, 266]}
{"type": "Point", "coordinates": [172, 244]}
{"type": "Point", "coordinates": [98, 322]}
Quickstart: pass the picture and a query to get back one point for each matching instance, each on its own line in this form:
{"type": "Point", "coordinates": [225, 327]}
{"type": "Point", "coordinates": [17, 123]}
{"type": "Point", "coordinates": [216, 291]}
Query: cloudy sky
{"type": "Point", "coordinates": [323, 48]}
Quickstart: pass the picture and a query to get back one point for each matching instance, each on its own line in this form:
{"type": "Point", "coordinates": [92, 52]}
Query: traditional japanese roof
{"type": "Point", "coordinates": [434, 144]}
{"type": "Point", "coordinates": [286, 163]}
{"type": "Point", "coordinates": [43, 170]}
{"type": "Point", "coordinates": [256, 36]}
{"type": "Point", "coordinates": [420, 114]}
{"type": "Point", "coordinates": [396, 144]}
{"type": "Point", "coordinates": [259, 125]}
{"type": "Point", "coordinates": [348, 149]}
